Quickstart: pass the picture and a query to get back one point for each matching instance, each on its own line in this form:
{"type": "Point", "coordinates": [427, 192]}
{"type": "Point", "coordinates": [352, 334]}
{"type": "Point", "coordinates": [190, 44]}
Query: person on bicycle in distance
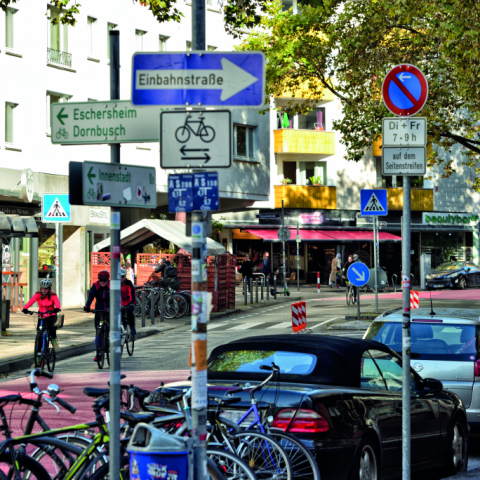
{"type": "Point", "coordinates": [100, 292]}
{"type": "Point", "coordinates": [355, 289]}
{"type": "Point", "coordinates": [345, 268]}
{"type": "Point", "coordinates": [47, 302]}
{"type": "Point", "coordinates": [128, 299]}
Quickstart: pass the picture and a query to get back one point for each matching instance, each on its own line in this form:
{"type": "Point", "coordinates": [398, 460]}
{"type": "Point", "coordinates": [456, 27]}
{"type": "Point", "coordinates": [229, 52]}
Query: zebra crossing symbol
{"type": "Point", "coordinates": [56, 208]}
{"type": "Point", "coordinates": [373, 202]}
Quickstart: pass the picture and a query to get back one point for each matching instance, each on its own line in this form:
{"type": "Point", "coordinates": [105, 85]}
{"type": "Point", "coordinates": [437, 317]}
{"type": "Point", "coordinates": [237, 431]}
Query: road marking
{"type": "Point", "coordinates": [281, 325]}
{"type": "Point", "coordinates": [326, 321]}
{"type": "Point", "coordinates": [215, 325]}
{"type": "Point", "coordinates": [246, 326]}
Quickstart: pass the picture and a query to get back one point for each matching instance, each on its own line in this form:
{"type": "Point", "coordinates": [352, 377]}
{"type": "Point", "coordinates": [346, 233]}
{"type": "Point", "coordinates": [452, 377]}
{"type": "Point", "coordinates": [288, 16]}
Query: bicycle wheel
{"type": "Point", "coordinates": [303, 462]}
{"type": "Point", "coordinates": [207, 134]}
{"type": "Point", "coordinates": [51, 359]}
{"type": "Point", "coordinates": [182, 134]}
{"type": "Point", "coordinates": [213, 472]}
{"type": "Point", "coordinates": [188, 298]}
{"type": "Point", "coordinates": [100, 349]}
{"type": "Point", "coordinates": [129, 340]}
{"type": "Point", "coordinates": [29, 469]}
{"type": "Point", "coordinates": [232, 467]}
{"type": "Point", "coordinates": [347, 295]}
{"type": "Point", "coordinates": [170, 307]}
{"type": "Point", "coordinates": [352, 296]}
{"type": "Point", "coordinates": [106, 345]}
{"type": "Point", "coordinates": [39, 359]}
{"type": "Point", "coordinates": [264, 455]}
{"type": "Point", "coordinates": [182, 305]}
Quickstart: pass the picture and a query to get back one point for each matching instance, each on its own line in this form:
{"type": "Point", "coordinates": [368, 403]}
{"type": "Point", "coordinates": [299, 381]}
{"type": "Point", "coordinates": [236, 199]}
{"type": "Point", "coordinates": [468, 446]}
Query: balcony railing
{"type": "Point", "coordinates": [289, 140]}
{"type": "Point", "coordinates": [421, 199]}
{"type": "Point", "coordinates": [60, 58]}
{"type": "Point", "coordinates": [304, 196]}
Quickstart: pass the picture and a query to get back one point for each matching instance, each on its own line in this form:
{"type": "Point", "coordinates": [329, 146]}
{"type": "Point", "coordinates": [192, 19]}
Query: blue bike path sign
{"type": "Point", "coordinates": [205, 191]}
{"type": "Point", "coordinates": [180, 193]}
{"type": "Point", "coordinates": [373, 202]}
{"type": "Point", "coordinates": [358, 274]}
{"type": "Point", "coordinates": [235, 79]}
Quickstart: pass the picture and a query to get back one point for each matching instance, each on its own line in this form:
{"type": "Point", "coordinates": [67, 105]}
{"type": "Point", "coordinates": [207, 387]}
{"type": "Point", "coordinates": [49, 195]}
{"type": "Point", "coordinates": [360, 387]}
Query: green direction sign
{"type": "Point", "coordinates": [118, 185]}
{"type": "Point", "coordinates": [113, 121]}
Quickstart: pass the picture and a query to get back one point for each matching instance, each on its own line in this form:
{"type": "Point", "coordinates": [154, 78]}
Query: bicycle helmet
{"type": "Point", "coordinates": [104, 275]}
{"type": "Point", "coordinates": [123, 272]}
{"type": "Point", "coordinates": [46, 283]}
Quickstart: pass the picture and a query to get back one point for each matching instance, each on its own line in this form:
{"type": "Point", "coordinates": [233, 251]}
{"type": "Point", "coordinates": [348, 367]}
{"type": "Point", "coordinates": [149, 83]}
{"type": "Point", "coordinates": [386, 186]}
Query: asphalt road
{"type": "Point", "coordinates": [167, 353]}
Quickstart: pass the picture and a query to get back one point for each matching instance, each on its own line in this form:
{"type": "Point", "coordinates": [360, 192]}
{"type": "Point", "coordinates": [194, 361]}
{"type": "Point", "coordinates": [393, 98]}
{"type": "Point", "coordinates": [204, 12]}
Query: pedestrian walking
{"type": "Point", "coordinates": [333, 272]}
{"type": "Point", "coordinates": [130, 272]}
{"type": "Point", "coordinates": [247, 272]}
{"type": "Point", "coordinates": [266, 268]}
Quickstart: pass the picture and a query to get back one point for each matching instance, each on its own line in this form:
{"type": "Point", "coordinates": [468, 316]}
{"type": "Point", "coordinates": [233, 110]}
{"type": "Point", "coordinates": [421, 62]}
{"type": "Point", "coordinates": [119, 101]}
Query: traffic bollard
{"type": "Point", "coordinates": [245, 289]}
{"type": "Point", "coordinates": [262, 282]}
{"type": "Point", "coordinates": [256, 290]}
{"type": "Point", "coordinates": [162, 310]}
{"type": "Point", "coordinates": [251, 290]}
{"type": "Point", "coordinates": [144, 313]}
{"type": "Point", "coordinates": [152, 308]}
{"type": "Point", "coordinates": [275, 287]}
{"type": "Point", "coordinates": [318, 282]}
{"type": "Point", "coordinates": [266, 286]}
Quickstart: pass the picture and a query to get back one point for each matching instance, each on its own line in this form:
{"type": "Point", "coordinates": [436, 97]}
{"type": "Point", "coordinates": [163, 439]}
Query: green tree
{"type": "Point", "coordinates": [347, 47]}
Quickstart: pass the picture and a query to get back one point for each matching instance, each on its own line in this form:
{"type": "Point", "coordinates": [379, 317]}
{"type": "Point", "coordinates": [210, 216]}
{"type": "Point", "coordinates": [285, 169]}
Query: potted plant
{"type": "Point", "coordinates": [417, 182]}
{"type": "Point", "coordinates": [286, 181]}
{"type": "Point", "coordinates": [316, 181]}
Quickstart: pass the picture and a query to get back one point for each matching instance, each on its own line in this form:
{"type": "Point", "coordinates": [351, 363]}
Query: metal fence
{"type": "Point", "coordinates": [60, 58]}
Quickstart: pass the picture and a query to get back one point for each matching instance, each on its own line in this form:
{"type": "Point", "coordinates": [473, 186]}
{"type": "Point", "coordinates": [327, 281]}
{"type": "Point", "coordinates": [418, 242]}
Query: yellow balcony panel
{"type": "Point", "coordinates": [303, 196]}
{"type": "Point", "coordinates": [421, 199]}
{"type": "Point", "coordinates": [377, 147]}
{"type": "Point", "coordinates": [304, 91]}
{"type": "Point", "coordinates": [291, 140]}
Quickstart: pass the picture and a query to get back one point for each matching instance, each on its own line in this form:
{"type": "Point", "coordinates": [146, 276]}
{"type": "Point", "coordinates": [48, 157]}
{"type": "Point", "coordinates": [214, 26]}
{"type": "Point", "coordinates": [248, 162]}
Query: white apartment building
{"type": "Point", "coordinates": [42, 64]}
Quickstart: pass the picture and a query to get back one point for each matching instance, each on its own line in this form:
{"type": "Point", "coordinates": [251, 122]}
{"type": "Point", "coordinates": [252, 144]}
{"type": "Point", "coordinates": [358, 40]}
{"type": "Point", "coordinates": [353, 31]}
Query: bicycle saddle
{"type": "Point", "coordinates": [95, 392]}
{"type": "Point", "coordinates": [133, 418]}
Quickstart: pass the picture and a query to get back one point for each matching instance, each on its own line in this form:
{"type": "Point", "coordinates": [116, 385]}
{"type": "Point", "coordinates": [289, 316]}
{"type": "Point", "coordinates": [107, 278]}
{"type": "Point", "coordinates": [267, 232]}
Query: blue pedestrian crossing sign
{"type": "Point", "coordinates": [373, 202]}
{"type": "Point", "coordinates": [56, 208]}
{"type": "Point", "coordinates": [358, 274]}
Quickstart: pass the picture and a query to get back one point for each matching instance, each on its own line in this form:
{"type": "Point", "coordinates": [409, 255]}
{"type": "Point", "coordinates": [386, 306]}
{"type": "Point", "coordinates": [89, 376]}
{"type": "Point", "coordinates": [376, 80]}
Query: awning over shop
{"type": "Point", "coordinates": [169, 230]}
{"type": "Point", "coordinates": [17, 226]}
{"type": "Point", "coordinates": [326, 235]}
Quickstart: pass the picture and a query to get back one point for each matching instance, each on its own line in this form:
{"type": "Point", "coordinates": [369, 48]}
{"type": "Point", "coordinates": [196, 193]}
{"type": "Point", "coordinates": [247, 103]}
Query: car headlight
{"type": "Point", "coordinates": [453, 275]}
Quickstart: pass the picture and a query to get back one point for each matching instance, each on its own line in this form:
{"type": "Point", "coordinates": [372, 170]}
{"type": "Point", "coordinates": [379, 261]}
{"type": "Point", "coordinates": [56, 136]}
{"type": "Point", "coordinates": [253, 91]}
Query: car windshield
{"type": "Point", "coordinates": [449, 266]}
{"type": "Point", "coordinates": [429, 340]}
{"type": "Point", "coordinates": [292, 363]}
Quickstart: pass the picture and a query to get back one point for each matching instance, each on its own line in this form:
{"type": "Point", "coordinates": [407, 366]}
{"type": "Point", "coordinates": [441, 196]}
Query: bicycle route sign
{"type": "Point", "coordinates": [196, 139]}
{"type": "Point", "coordinates": [180, 192]}
{"type": "Point", "coordinates": [112, 185]}
{"type": "Point", "coordinates": [205, 191]}
{"type": "Point", "coordinates": [358, 274]}
{"type": "Point", "coordinates": [199, 78]}
{"type": "Point", "coordinates": [405, 90]}
{"type": "Point", "coordinates": [112, 121]}
{"type": "Point", "coordinates": [56, 208]}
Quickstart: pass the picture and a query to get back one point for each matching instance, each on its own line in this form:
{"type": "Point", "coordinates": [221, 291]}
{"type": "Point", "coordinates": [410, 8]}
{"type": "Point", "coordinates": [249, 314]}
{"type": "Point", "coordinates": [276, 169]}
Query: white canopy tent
{"type": "Point", "coordinates": [167, 229]}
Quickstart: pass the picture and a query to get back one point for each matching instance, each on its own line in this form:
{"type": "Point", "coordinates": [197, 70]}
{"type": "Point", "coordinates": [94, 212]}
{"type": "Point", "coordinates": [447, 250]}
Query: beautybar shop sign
{"type": "Point", "coordinates": [435, 218]}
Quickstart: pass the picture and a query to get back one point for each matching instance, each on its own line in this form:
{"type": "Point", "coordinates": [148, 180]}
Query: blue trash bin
{"type": "Point", "coordinates": [155, 455]}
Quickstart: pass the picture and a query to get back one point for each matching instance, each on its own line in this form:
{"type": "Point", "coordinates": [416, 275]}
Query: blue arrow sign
{"type": "Point", "coordinates": [205, 191]}
{"type": "Point", "coordinates": [358, 274]}
{"type": "Point", "coordinates": [180, 193]}
{"type": "Point", "coordinates": [373, 202]}
{"type": "Point", "coordinates": [235, 79]}
{"type": "Point", "coordinates": [56, 208]}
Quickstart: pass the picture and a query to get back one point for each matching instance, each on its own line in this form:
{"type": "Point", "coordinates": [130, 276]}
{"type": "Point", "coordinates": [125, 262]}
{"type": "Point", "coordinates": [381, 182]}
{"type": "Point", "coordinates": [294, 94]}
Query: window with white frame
{"type": "Point", "coordinates": [9, 27]}
{"type": "Point", "coordinates": [54, 97]}
{"type": "Point", "coordinates": [211, 48]}
{"type": "Point", "coordinates": [110, 26]}
{"type": "Point", "coordinates": [57, 46]}
{"type": "Point", "coordinates": [9, 121]}
{"type": "Point", "coordinates": [189, 46]}
{"type": "Point", "coordinates": [244, 142]}
{"type": "Point", "coordinates": [162, 43]}
{"type": "Point", "coordinates": [139, 35]}
{"type": "Point", "coordinates": [91, 27]}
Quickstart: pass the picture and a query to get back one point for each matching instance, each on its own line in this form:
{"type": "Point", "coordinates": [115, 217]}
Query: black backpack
{"type": "Point", "coordinates": [171, 272]}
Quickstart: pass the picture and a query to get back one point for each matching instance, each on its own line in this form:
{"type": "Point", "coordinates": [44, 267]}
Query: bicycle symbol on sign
{"type": "Point", "coordinates": [206, 133]}
{"type": "Point", "coordinates": [61, 133]}
{"type": "Point", "coordinates": [91, 193]}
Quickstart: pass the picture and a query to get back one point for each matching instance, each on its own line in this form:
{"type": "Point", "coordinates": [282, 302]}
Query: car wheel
{"type": "Point", "coordinates": [457, 457]}
{"type": "Point", "coordinates": [462, 284]}
{"type": "Point", "coordinates": [365, 463]}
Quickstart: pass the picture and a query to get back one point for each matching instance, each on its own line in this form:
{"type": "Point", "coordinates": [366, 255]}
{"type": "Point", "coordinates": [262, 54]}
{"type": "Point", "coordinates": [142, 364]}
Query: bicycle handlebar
{"type": "Point", "coordinates": [99, 311]}
{"type": "Point", "coordinates": [252, 389]}
{"type": "Point", "coordinates": [65, 404]}
{"type": "Point", "coordinates": [42, 314]}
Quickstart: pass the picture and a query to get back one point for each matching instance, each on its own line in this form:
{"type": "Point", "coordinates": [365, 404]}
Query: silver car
{"type": "Point", "coordinates": [445, 346]}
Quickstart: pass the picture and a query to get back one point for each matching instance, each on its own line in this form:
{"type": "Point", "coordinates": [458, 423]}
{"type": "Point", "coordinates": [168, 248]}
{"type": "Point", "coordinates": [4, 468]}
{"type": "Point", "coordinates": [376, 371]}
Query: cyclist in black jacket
{"type": "Point", "coordinates": [100, 292]}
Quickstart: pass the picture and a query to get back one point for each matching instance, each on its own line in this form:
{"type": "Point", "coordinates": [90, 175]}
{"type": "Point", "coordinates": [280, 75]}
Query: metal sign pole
{"type": "Point", "coordinates": [298, 261]}
{"type": "Point", "coordinates": [283, 246]}
{"type": "Point", "coordinates": [406, 339]}
{"type": "Point", "coordinates": [114, 464]}
{"type": "Point", "coordinates": [199, 299]}
{"type": "Point", "coordinates": [375, 249]}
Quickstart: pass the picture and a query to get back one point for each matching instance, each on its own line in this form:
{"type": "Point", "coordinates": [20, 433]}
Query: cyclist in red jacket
{"type": "Point", "coordinates": [128, 299]}
{"type": "Point", "coordinates": [47, 302]}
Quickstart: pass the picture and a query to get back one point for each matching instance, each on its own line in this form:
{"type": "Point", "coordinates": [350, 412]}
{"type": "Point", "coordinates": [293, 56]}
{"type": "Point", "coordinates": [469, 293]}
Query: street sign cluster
{"type": "Point", "coordinates": [188, 192]}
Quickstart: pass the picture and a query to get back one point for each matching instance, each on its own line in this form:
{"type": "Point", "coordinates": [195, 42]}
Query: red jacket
{"type": "Point", "coordinates": [44, 304]}
{"type": "Point", "coordinates": [127, 293]}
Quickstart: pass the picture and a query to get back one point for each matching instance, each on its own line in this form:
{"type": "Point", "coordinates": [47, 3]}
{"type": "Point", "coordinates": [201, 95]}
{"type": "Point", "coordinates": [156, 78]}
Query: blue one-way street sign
{"type": "Point", "coordinates": [358, 274]}
{"type": "Point", "coordinates": [373, 202]}
{"type": "Point", "coordinates": [235, 79]}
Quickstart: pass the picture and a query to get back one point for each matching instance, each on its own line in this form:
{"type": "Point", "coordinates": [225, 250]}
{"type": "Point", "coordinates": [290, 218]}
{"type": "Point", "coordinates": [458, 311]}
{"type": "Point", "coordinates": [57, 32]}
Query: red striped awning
{"type": "Point", "coordinates": [270, 235]}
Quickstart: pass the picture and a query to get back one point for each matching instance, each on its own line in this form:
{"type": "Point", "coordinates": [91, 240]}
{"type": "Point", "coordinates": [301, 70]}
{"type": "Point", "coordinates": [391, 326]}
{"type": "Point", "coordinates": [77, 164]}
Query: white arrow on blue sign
{"type": "Point", "coordinates": [358, 274]}
{"type": "Point", "coordinates": [373, 202]}
{"type": "Point", "coordinates": [235, 79]}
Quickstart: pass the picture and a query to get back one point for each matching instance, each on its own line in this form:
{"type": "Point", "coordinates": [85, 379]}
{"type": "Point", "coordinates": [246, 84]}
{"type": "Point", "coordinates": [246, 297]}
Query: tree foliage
{"type": "Point", "coordinates": [348, 46]}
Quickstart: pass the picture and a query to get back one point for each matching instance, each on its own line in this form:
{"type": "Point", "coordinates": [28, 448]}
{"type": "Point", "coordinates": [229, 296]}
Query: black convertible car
{"type": "Point", "coordinates": [343, 398]}
{"type": "Point", "coordinates": [454, 275]}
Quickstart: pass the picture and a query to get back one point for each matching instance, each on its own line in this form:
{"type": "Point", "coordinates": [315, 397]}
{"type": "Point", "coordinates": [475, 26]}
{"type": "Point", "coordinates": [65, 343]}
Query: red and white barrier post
{"type": "Point", "coordinates": [318, 282]}
{"type": "Point", "coordinates": [299, 316]}
{"type": "Point", "coordinates": [414, 299]}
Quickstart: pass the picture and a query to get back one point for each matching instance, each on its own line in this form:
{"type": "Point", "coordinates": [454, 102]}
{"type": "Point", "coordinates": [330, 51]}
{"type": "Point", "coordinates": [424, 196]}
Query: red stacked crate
{"type": "Point", "coordinates": [146, 263]}
{"type": "Point", "coordinates": [231, 280]}
{"type": "Point", "coordinates": [222, 287]}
